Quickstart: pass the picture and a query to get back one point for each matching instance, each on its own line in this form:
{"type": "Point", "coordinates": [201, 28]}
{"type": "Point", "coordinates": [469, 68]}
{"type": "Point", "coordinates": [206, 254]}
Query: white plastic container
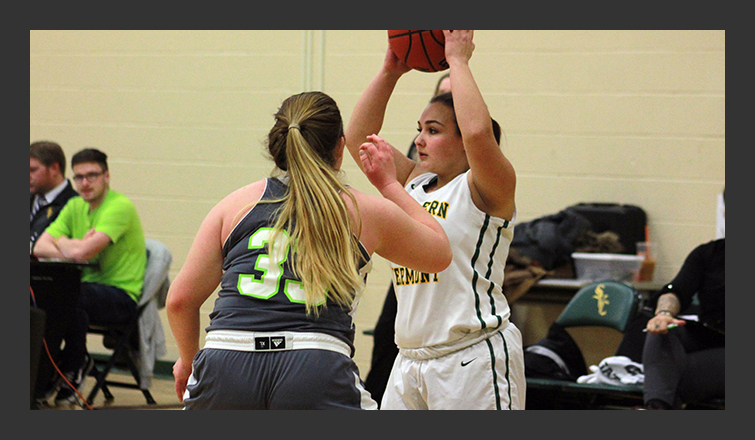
{"type": "Point", "coordinates": [596, 267]}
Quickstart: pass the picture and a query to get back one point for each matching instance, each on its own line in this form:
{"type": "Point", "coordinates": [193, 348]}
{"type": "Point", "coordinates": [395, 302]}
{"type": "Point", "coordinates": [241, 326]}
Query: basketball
{"type": "Point", "coordinates": [421, 50]}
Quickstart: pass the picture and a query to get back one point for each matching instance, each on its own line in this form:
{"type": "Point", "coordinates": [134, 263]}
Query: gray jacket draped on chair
{"type": "Point", "coordinates": [155, 290]}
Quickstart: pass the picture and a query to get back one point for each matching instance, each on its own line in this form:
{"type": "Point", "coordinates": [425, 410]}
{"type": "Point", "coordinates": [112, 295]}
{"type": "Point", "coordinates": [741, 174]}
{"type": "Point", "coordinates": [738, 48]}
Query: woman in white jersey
{"type": "Point", "coordinates": [457, 347]}
{"type": "Point", "coordinates": [290, 254]}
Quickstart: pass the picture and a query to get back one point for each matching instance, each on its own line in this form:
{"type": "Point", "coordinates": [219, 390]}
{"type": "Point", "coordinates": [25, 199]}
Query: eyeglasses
{"type": "Point", "coordinates": [78, 178]}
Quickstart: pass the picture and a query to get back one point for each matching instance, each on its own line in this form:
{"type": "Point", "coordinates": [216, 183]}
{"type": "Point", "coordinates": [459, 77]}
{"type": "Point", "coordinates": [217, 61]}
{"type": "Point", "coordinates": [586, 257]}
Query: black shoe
{"type": "Point", "coordinates": [658, 404]}
{"type": "Point", "coordinates": [41, 398]}
{"type": "Point", "coordinates": [654, 404]}
{"type": "Point", "coordinates": [76, 378]}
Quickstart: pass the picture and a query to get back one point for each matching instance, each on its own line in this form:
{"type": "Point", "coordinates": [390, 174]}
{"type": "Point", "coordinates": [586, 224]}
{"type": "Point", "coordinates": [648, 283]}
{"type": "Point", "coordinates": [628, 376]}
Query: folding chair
{"type": "Point", "coordinates": [603, 304]}
{"type": "Point", "coordinates": [131, 345]}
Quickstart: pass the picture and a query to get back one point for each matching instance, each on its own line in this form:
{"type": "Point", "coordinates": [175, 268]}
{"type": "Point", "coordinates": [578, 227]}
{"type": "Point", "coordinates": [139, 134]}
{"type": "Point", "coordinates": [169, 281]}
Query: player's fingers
{"type": "Point", "coordinates": [365, 155]}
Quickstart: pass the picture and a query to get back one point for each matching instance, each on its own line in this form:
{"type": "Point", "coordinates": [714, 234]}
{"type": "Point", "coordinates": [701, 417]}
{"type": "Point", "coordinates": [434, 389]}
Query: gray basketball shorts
{"type": "Point", "coordinates": [289, 370]}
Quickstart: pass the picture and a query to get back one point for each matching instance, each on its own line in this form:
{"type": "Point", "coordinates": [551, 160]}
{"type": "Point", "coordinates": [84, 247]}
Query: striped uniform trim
{"type": "Point", "coordinates": [495, 373]}
{"type": "Point", "coordinates": [476, 276]}
{"type": "Point", "coordinates": [489, 272]}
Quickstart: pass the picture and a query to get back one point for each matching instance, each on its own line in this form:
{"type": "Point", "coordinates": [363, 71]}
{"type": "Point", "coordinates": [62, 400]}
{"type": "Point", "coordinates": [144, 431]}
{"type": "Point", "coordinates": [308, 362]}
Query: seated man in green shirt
{"type": "Point", "coordinates": [100, 226]}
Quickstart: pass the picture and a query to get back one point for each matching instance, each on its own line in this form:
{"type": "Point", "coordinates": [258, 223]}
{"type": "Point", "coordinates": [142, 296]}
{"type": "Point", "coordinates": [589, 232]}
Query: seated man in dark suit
{"type": "Point", "coordinates": [49, 190]}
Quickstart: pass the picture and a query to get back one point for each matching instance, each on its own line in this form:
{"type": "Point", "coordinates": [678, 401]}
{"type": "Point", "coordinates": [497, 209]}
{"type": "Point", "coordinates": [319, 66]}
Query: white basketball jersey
{"type": "Point", "coordinates": [466, 300]}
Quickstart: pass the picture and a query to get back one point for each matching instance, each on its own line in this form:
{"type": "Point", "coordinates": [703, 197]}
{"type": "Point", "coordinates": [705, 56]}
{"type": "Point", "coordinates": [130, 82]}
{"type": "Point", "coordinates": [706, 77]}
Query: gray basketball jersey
{"type": "Point", "coordinates": [259, 291]}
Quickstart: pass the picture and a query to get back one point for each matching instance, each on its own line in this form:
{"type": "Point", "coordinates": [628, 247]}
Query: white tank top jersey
{"type": "Point", "coordinates": [444, 312]}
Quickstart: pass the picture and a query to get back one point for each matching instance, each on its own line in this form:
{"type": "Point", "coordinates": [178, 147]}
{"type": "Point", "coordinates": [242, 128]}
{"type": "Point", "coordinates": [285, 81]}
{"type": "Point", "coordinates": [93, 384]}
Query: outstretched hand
{"type": "Point", "coordinates": [393, 64]}
{"type": "Point", "coordinates": [377, 162]}
{"type": "Point", "coordinates": [459, 44]}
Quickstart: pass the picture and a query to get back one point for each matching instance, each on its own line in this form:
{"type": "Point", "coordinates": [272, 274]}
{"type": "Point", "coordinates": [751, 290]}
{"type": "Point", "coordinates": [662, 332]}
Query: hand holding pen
{"type": "Point", "coordinates": [662, 323]}
{"type": "Point", "coordinates": [668, 327]}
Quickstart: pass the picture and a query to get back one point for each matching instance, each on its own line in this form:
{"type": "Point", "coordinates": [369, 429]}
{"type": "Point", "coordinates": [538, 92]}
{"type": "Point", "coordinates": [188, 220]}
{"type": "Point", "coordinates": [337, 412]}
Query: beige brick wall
{"type": "Point", "coordinates": [634, 117]}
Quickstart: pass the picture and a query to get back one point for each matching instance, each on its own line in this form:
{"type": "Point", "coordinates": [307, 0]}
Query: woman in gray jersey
{"type": "Point", "coordinates": [291, 254]}
{"type": "Point", "coordinates": [457, 347]}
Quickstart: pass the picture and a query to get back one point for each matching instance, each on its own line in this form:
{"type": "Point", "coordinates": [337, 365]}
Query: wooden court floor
{"type": "Point", "coordinates": [162, 390]}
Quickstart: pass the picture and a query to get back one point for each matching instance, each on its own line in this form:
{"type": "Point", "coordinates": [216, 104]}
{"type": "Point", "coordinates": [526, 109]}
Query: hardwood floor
{"type": "Point", "coordinates": [162, 390]}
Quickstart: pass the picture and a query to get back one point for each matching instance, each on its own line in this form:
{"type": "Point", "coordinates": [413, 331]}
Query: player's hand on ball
{"type": "Point", "coordinates": [459, 44]}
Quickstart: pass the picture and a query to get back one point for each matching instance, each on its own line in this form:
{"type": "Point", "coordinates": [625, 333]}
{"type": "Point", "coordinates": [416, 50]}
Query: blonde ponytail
{"type": "Point", "coordinates": [325, 252]}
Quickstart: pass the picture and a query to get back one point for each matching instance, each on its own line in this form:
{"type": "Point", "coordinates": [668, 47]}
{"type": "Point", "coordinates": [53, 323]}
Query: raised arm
{"type": "Point", "coordinates": [493, 179]}
{"type": "Point", "coordinates": [369, 113]}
